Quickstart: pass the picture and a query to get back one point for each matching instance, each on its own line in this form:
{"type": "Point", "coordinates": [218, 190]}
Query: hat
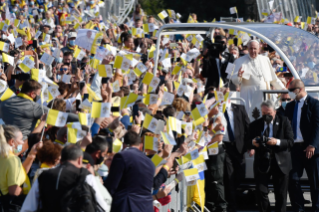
{"type": "Point", "coordinates": [47, 25]}
{"type": "Point", "coordinates": [87, 158]}
{"type": "Point", "coordinates": [72, 35]}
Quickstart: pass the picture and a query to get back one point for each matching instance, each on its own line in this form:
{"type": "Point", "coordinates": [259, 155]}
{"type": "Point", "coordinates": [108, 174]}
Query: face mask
{"type": "Point", "coordinates": [72, 42]}
{"type": "Point", "coordinates": [284, 104]}
{"type": "Point", "coordinates": [14, 10]}
{"type": "Point", "coordinates": [58, 60]}
{"type": "Point", "coordinates": [235, 56]}
{"type": "Point", "coordinates": [99, 160]}
{"type": "Point", "coordinates": [18, 149]}
{"type": "Point", "coordinates": [267, 118]}
{"type": "Point", "coordinates": [91, 2]}
{"type": "Point", "coordinates": [292, 95]}
{"type": "Point", "coordinates": [31, 3]}
{"type": "Point", "coordinates": [311, 65]}
{"type": "Point", "coordinates": [41, 10]}
{"type": "Point", "coordinates": [17, 5]}
{"type": "Point", "coordinates": [223, 60]}
{"type": "Point", "coordinates": [36, 98]}
{"type": "Point", "coordinates": [40, 43]}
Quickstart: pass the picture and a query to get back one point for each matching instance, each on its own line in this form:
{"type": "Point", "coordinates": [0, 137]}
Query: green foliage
{"type": "Point", "coordinates": [153, 7]}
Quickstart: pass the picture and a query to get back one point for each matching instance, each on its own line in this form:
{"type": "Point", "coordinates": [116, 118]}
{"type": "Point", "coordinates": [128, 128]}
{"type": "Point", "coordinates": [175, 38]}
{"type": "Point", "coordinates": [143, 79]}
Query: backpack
{"type": "Point", "coordinates": [81, 198]}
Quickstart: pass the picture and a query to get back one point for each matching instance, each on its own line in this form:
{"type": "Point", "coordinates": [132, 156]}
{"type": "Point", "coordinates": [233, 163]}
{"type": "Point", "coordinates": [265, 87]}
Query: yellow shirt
{"type": "Point", "coordinates": [12, 172]}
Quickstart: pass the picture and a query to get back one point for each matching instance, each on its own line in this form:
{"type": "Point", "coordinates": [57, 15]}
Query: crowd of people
{"type": "Point", "coordinates": [88, 125]}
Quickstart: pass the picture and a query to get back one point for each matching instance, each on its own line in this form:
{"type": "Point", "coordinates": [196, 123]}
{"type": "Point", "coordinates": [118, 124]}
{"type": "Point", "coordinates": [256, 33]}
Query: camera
{"type": "Point", "coordinates": [213, 48]}
{"type": "Point", "coordinates": [262, 139]}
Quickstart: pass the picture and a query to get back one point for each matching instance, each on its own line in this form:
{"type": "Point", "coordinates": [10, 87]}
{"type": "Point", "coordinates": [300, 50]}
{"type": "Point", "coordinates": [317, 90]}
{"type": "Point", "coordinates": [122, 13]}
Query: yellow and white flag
{"type": "Point", "coordinates": [92, 94]}
{"type": "Point", "coordinates": [75, 125]}
{"type": "Point", "coordinates": [151, 143]}
{"type": "Point", "coordinates": [26, 64]}
{"type": "Point", "coordinates": [158, 160]}
{"type": "Point", "coordinates": [233, 10]}
{"type": "Point", "coordinates": [75, 135]}
{"type": "Point", "coordinates": [151, 80]}
{"type": "Point", "coordinates": [168, 139]}
{"type": "Point", "coordinates": [101, 109]}
{"type": "Point", "coordinates": [57, 118]}
{"type": "Point", "coordinates": [174, 124]}
{"type": "Point", "coordinates": [148, 27]}
{"type": "Point", "coordinates": [53, 92]}
{"type": "Point", "coordinates": [4, 46]}
{"type": "Point", "coordinates": [140, 69]}
{"type": "Point", "coordinates": [213, 148]}
{"type": "Point", "coordinates": [191, 176]}
{"type": "Point", "coordinates": [151, 52]}
{"type": "Point", "coordinates": [7, 95]}
{"type": "Point", "coordinates": [150, 123]}
{"type": "Point", "coordinates": [138, 32]}
{"type": "Point", "coordinates": [117, 146]}
{"type": "Point", "coordinates": [162, 14]}
{"type": "Point", "coordinates": [105, 70]}
{"type": "Point", "coordinates": [199, 163]}
{"type": "Point", "coordinates": [123, 62]}
{"type": "Point", "coordinates": [7, 59]}
{"type": "Point", "coordinates": [37, 74]}
{"type": "Point", "coordinates": [3, 85]}
{"type": "Point", "coordinates": [199, 111]}
{"type": "Point", "coordinates": [79, 54]}
{"type": "Point", "coordinates": [171, 13]}
{"type": "Point", "coordinates": [84, 118]}
{"type": "Point", "coordinates": [150, 99]}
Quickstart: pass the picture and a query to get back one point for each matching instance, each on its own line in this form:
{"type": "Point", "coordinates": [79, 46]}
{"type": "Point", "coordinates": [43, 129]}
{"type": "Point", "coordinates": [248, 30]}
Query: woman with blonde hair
{"type": "Point", "coordinates": [13, 174]}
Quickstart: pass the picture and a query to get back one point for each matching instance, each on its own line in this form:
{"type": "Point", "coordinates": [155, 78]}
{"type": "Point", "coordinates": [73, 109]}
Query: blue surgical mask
{"type": "Point", "coordinates": [17, 5]}
{"type": "Point", "coordinates": [284, 104]}
{"type": "Point", "coordinates": [72, 42]}
{"type": "Point", "coordinates": [31, 3]}
{"type": "Point", "coordinates": [311, 65]}
{"type": "Point", "coordinates": [40, 43]}
{"type": "Point", "coordinates": [14, 10]}
{"type": "Point", "coordinates": [18, 149]}
{"type": "Point", "coordinates": [91, 2]}
{"type": "Point", "coordinates": [41, 10]}
{"type": "Point", "coordinates": [58, 60]}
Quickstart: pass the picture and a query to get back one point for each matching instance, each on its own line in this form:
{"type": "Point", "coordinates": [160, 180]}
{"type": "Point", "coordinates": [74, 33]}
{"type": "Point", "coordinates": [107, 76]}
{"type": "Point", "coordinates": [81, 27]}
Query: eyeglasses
{"type": "Point", "coordinates": [292, 89]}
{"type": "Point", "coordinates": [63, 69]}
{"type": "Point", "coordinates": [288, 99]}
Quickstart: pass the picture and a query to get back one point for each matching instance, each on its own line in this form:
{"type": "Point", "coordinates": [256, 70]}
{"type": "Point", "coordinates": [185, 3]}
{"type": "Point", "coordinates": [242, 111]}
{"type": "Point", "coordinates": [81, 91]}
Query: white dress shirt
{"type": "Point", "coordinates": [230, 113]}
{"type": "Point", "coordinates": [299, 138]}
{"type": "Point", "coordinates": [31, 202]}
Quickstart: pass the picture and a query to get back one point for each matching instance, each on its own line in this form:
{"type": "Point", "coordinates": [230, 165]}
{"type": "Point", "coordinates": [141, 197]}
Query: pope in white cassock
{"type": "Point", "coordinates": [254, 73]}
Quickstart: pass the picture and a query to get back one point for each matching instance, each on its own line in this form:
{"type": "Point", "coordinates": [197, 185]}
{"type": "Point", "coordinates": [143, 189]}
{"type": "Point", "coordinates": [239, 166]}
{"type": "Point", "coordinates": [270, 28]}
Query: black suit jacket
{"type": "Point", "coordinates": [309, 121]}
{"type": "Point", "coordinates": [281, 130]}
{"type": "Point", "coordinates": [281, 111]}
{"type": "Point", "coordinates": [130, 181]}
{"type": "Point", "coordinates": [241, 127]}
{"type": "Point", "coordinates": [210, 69]}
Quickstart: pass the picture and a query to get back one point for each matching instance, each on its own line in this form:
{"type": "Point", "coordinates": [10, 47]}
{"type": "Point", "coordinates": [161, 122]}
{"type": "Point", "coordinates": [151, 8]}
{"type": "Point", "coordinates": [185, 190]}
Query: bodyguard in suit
{"type": "Point", "coordinates": [215, 64]}
{"type": "Point", "coordinates": [235, 140]}
{"type": "Point", "coordinates": [272, 159]}
{"type": "Point", "coordinates": [303, 114]}
{"type": "Point", "coordinates": [130, 178]}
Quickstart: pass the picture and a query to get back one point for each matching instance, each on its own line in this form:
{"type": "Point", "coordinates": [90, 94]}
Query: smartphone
{"type": "Point", "coordinates": [74, 66]}
{"type": "Point", "coordinates": [105, 80]}
{"type": "Point", "coordinates": [110, 143]}
{"type": "Point", "coordinates": [78, 102]}
{"type": "Point", "coordinates": [135, 110]}
{"type": "Point", "coordinates": [81, 85]}
{"type": "Point", "coordinates": [40, 66]}
{"type": "Point", "coordinates": [28, 53]}
{"type": "Point", "coordinates": [85, 96]}
{"type": "Point", "coordinates": [35, 44]}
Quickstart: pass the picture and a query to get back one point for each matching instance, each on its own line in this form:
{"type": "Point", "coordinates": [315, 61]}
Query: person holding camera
{"type": "Point", "coordinates": [272, 138]}
{"type": "Point", "coordinates": [215, 61]}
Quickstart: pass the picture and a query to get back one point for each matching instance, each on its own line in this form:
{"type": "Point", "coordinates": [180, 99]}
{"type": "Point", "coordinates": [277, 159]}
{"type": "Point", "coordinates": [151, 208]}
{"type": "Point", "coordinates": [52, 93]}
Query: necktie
{"type": "Point", "coordinates": [229, 129]}
{"type": "Point", "coordinates": [294, 119]}
{"type": "Point", "coordinates": [267, 131]}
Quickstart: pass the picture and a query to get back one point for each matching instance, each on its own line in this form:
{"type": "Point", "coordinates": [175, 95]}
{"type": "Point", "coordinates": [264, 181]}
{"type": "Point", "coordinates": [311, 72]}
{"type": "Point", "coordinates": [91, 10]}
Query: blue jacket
{"type": "Point", "coordinates": [309, 121]}
{"type": "Point", "coordinates": [130, 181]}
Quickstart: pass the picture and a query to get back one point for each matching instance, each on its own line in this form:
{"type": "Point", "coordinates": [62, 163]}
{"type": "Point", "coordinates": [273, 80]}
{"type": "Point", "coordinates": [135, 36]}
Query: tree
{"type": "Point", "coordinates": [153, 7]}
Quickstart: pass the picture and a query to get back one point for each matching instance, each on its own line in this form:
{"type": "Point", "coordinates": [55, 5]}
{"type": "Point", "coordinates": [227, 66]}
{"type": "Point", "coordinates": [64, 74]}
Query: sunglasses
{"type": "Point", "coordinates": [292, 89]}
{"type": "Point", "coordinates": [288, 99]}
{"type": "Point", "coordinates": [63, 69]}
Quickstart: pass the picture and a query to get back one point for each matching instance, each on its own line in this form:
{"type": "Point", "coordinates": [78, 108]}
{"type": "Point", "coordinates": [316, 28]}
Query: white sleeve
{"type": "Point", "coordinates": [31, 202]}
{"type": "Point", "coordinates": [96, 84]}
{"type": "Point", "coordinates": [91, 181]}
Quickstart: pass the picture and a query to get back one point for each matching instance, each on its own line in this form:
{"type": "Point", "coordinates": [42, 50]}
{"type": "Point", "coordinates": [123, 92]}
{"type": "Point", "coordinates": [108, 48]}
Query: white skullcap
{"type": "Point", "coordinates": [256, 41]}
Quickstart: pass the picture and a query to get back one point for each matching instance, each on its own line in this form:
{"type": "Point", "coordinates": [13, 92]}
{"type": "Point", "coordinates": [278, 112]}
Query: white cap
{"type": "Point", "coordinates": [72, 35]}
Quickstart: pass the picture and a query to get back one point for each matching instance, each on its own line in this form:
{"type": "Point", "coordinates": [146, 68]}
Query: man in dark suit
{"type": "Point", "coordinates": [273, 157]}
{"type": "Point", "coordinates": [284, 99]}
{"type": "Point", "coordinates": [215, 64]}
{"type": "Point", "coordinates": [130, 179]}
{"type": "Point", "coordinates": [235, 137]}
{"type": "Point", "coordinates": [304, 116]}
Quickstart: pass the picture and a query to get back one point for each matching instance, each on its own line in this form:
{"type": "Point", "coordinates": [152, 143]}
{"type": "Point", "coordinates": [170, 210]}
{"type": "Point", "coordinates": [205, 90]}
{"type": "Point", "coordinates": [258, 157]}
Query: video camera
{"type": "Point", "coordinates": [213, 48]}
{"type": "Point", "coordinates": [21, 76]}
{"type": "Point", "coordinates": [262, 139]}
{"type": "Point", "coordinates": [265, 155]}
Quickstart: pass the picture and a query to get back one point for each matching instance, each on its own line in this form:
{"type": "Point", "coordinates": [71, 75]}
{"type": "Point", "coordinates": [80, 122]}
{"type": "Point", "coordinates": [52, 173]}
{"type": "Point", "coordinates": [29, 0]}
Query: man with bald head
{"type": "Point", "coordinates": [303, 113]}
{"type": "Point", "coordinates": [254, 73]}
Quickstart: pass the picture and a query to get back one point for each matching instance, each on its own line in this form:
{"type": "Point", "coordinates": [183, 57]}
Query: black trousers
{"type": "Point", "coordinates": [234, 173]}
{"type": "Point", "coordinates": [280, 182]}
{"type": "Point", "coordinates": [214, 181]}
{"type": "Point", "coordinates": [299, 163]}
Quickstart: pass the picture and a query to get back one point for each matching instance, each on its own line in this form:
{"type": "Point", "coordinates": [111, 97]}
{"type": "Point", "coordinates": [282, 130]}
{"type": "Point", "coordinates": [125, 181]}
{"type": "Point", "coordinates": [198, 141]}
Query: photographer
{"type": "Point", "coordinates": [215, 61]}
{"type": "Point", "coordinates": [272, 137]}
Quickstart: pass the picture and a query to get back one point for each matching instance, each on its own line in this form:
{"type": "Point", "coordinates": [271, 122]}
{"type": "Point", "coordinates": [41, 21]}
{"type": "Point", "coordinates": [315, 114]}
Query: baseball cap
{"type": "Point", "coordinates": [72, 35]}
{"type": "Point", "coordinates": [87, 158]}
